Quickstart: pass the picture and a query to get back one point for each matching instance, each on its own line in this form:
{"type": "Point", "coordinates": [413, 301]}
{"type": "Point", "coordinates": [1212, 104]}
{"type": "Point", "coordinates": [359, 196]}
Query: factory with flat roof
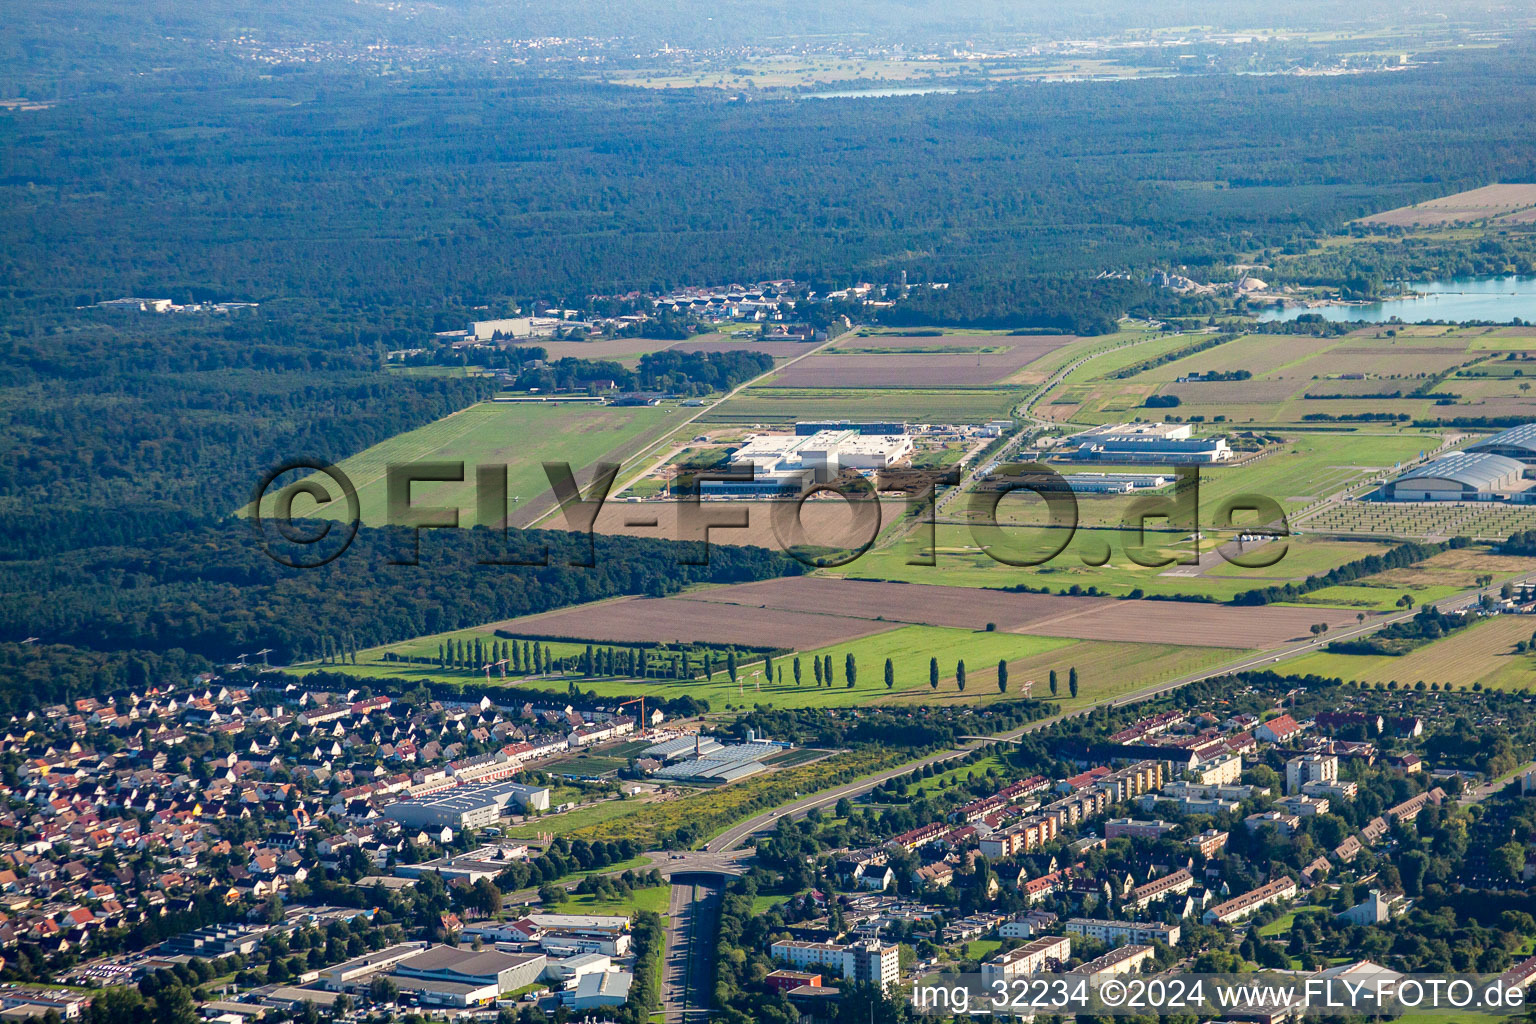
{"type": "Point", "coordinates": [791, 463]}
{"type": "Point", "coordinates": [468, 806]}
{"type": "Point", "coordinates": [1461, 476]}
{"type": "Point", "coordinates": [1152, 443]}
{"type": "Point", "coordinates": [450, 976]}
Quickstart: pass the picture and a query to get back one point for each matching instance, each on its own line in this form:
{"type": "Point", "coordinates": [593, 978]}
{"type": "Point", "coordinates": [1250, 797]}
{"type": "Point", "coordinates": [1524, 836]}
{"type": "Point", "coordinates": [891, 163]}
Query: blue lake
{"type": "Point", "coordinates": [1456, 300]}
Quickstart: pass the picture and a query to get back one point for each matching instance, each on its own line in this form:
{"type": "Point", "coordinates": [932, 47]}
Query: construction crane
{"type": "Point", "coordinates": [641, 702]}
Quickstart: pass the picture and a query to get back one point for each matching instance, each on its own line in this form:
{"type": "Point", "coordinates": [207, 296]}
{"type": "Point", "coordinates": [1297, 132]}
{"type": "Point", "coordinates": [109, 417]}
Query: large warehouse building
{"type": "Point", "coordinates": [462, 977]}
{"type": "Point", "coordinates": [1460, 476]}
{"type": "Point", "coordinates": [1517, 443]}
{"type": "Point", "coordinates": [790, 463]}
{"type": "Point", "coordinates": [1154, 443]}
{"type": "Point", "coordinates": [468, 806]}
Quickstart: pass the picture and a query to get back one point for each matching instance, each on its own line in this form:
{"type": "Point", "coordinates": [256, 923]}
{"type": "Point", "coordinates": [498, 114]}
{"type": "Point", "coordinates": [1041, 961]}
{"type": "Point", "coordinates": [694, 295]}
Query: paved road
{"type": "Point", "coordinates": [622, 482]}
{"type": "Point", "coordinates": [684, 862]}
{"type": "Point", "coordinates": [737, 834]}
{"type": "Point", "coordinates": [689, 969]}
{"type": "Point", "coordinates": [1477, 794]}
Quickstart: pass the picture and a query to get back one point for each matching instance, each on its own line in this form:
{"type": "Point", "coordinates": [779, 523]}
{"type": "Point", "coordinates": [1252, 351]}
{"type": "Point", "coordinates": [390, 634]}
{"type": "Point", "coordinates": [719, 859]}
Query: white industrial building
{"type": "Point", "coordinates": [568, 970]}
{"type": "Point", "coordinates": [449, 976]}
{"type": "Point", "coordinates": [1115, 483]}
{"type": "Point", "coordinates": [681, 747]}
{"type": "Point", "coordinates": [791, 463]}
{"type": "Point", "coordinates": [514, 327]}
{"type": "Point", "coordinates": [467, 807]}
{"type": "Point", "coordinates": [608, 988]}
{"type": "Point", "coordinates": [1460, 476]}
{"type": "Point", "coordinates": [1156, 443]}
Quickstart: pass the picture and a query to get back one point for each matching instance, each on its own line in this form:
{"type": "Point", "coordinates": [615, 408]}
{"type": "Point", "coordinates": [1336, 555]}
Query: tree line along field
{"type": "Point", "coordinates": [521, 435]}
{"type": "Point", "coordinates": [1481, 653]}
{"type": "Point", "coordinates": [1437, 577]}
{"type": "Point", "coordinates": [1107, 668]}
{"type": "Point", "coordinates": [1378, 369]}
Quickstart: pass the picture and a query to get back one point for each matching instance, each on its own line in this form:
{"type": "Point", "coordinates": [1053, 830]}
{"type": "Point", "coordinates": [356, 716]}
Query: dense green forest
{"type": "Point", "coordinates": [214, 592]}
{"type": "Point", "coordinates": [683, 373]}
{"type": "Point", "coordinates": [367, 212]}
{"type": "Point", "coordinates": [427, 190]}
{"type": "Point", "coordinates": [115, 431]}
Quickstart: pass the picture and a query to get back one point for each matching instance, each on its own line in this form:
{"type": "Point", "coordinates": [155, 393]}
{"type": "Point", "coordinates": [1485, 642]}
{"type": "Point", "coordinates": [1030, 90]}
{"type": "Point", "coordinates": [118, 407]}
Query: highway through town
{"type": "Point", "coordinates": [687, 986]}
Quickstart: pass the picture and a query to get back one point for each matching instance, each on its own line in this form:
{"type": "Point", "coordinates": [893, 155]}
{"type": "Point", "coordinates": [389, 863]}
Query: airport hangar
{"type": "Point", "coordinates": [1462, 476]}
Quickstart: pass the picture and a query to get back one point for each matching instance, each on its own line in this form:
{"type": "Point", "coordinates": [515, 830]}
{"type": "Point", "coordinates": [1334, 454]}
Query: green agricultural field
{"type": "Point", "coordinates": [521, 435]}
{"type": "Point", "coordinates": [1372, 598]}
{"type": "Point", "coordinates": [1286, 369]}
{"type": "Point", "coordinates": [1305, 556]}
{"type": "Point", "coordinates": [770, 405]}
{"type": "Point", "coordinates": [1104, 666]}
{"type": "Point", "coordinates": [1483, 653]}
{"type": "Point", "coordinates": [1105, 669]}
{"type": "Point", "coordinates": [911, 647]}
{"type": "Point", "coordinates": [960, 562]}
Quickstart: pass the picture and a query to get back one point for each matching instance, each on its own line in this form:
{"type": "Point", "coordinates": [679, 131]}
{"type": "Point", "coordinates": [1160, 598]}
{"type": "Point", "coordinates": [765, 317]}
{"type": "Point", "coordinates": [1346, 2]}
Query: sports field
{"type": "Point", "coordinates": [521, 435]}
{"type": "Point", "coordinates": [1482, 653]}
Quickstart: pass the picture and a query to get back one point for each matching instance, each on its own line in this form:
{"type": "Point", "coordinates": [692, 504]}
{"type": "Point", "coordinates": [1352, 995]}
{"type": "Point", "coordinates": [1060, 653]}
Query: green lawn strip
{"type": "Point", "coordinates": [1282, 924]}
{"type": "Point", "coordinates": [653, 898]}
{"type": "Point", "coordinates": [520, 435]}
{"type": "Point", "coordinates": [942, 779]}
